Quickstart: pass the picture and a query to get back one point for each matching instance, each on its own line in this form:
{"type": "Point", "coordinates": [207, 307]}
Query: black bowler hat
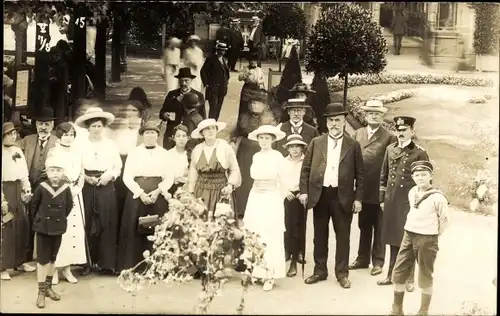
{"type": "Point", "coordinates": [421, 165]}
{"type": "Point", "coordinates": [403, 122]}
{"type": "Point", "coordinates": [334, 109]}
{"type": "Point", "coordinates": [45, 114]}
{"type": "Point", "coordinates": [185, 72]}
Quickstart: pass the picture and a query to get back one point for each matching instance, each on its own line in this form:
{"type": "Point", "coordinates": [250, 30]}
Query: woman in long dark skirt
{"type": "Point", "coordinates": [16, 191]}
{"type": "Point", "coordinates": [253, 77]}
{"type": "Point", "coordinates": [102, 164]}
{"type": "Point", "coordinates": [148, 177]}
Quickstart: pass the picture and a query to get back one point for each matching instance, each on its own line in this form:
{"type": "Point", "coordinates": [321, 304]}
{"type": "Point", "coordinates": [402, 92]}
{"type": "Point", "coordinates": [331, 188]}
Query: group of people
{"type": "Point", "coordinates": [69, 176]}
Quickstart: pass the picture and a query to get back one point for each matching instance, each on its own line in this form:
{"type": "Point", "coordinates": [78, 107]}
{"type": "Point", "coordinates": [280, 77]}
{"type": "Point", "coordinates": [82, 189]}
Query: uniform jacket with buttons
{"type": "Point", "coordinates": [373, 151]}
{"type": "Point", "coordinates": [395, 183]}
{"type": "Point", "coordinates": [50, 207]}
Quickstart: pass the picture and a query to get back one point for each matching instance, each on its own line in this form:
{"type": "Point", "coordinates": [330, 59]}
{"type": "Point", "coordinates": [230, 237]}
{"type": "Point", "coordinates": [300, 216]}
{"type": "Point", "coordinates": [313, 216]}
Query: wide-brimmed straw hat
{"type": "Point", "coordinates": [296, 103]}
{"type": "Point", "coordinates": [374, 106]}
{"type": "Point", "coordinates": [149, 126]}
{"type": "Point", "coordinates": [7, 128]}
{"type": "Point", "coordinates": [267, 129]}
{"type": "Point", "coordinates": [207, 123]}
{"type": "Point", "coordinates": [92, 113]}
{"type": "Point", "coordinates": [294, 139]}
{"type": "Point", "coordinates": [194, 38]}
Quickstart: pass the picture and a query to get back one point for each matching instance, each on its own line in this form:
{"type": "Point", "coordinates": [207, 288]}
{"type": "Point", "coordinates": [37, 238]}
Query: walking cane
{"type": "Point", "coordinates": [303, 250]}
{"type": "Point", "coordinates": [87, 248]}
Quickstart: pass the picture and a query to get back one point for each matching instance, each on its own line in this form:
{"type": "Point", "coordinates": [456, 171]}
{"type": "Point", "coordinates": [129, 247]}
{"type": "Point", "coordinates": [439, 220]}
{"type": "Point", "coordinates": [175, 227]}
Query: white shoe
{"type": "Point", "coordinates": [55, 278]}
{"type": "Point", "coordinates": [69, 276]}
{"type": "Point", "coordinates": [26, 268]}
{"type": "Point", "coordinates": [268, 285]}
{"type": "Point", "coordinates": [5, 276]}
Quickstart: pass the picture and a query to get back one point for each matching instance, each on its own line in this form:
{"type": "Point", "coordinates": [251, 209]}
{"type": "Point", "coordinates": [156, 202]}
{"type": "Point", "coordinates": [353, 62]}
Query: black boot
{"type": "Point", "coordinates": [85, 270]}
{"type": "Point", "coordinates": [424, 305]}
{"type": "Point", "coordinates": [387, 280]}
{"type": "Point", "coordinates": [292, 271]}
{"type": "Point", "coordinates": [397, 305]}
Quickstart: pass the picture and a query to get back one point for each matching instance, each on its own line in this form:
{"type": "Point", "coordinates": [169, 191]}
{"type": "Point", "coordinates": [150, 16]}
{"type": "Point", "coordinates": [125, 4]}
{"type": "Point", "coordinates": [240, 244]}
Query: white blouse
{"type": "Point", "coordinates": [178, 162]}
{"type": "Point", "coordinates": [255, 75]}
{"type": "Point", "coordinates": [172, 56]}
{"type": "Point", "coordinates": [193, 56]}
{"type": "Point", "coordinates": [102, 155]}
{"type": "Point", "coordinates": [14, 166]}
{"type": "Point", "coordinates": [142, 162]}
{"type": "Point", "coordinates": [268, 170]}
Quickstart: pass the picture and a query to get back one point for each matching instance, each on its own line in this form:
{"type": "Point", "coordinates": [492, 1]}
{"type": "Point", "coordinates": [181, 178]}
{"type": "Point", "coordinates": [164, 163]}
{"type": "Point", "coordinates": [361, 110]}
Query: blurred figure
{"type": "Point", "coordinates": [253, 78]}
{"type": "Point", "coordinates": [138, 94]}
{"type": "Point", "coordinates": [193, 58]}
{"type": "Point", "coordinates": [236, 44]}
{"type": "Point", "coordinates": [287, 47]}
{"type": "Point", "coordinates": [256, 39]}
{"type": "Point", "coordinates": [171, 62]}
{"type": "Point", "coordinates": [399, 29]}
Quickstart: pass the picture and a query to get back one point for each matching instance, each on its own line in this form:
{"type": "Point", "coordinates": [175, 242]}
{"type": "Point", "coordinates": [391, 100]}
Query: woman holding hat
{"type": "Point", "coordinates": [193, 58]}
{"type": "Point", "coordinates": [171, 62]}
{"type": "Point", "coordinates": [148, 178]}
{"type": "Point", "coordinates": [214, 170]}
{"type": "Point", "coordinates": [102, 165]}
{"type": "Point", "coordinates": [265, 214]}
{"type": "Point", "coordinates": [253, 78]}
{"type": "Point", "coordinates": [73, 244]}
{"type": "Point", "coordinates": [16, 191]}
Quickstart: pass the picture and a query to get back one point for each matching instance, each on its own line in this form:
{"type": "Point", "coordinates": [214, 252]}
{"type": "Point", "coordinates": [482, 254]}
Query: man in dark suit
{"type": "Point", "coordinates": [256, 39]}
{"type": "Point", "coordinates": [374, 140]}
{"type": "Point", "coordinates": [395, 183]}
{"type": "Point", "coordinates": [236, 44]}
{"type": "Point", "coordinates": [223, 34]}
{"type": "Point", "coordinates": [172, 110]}
{"type": "Point", "coordinates": [35, 148]}
{"type": "Point", "coordinates": [332, 183]}
{"type": "Point", "coordinates": [215, 78]}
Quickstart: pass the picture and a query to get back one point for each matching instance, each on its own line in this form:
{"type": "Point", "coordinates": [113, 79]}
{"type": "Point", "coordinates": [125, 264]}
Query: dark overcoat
{"type": "Point", "coordinates": [50, 208]}
{"type": "Point", "coordinates": [373, 151]}
{"type": "Point", "coordinates": [351, 174]}
{"type": "Point", "coordinates": [395, 183]}
{"type": "Point", "coordinates": [308, 132]}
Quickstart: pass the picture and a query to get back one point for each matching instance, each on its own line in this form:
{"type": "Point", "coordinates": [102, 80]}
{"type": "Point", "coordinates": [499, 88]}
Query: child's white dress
{"type": "Point", "coordinates": [265, 212]}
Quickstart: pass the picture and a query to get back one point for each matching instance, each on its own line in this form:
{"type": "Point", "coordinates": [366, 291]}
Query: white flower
{"type": "Point", "coordinates": [474, 205]}
{"type": "Point", "coordinates": [481, 191]}
{"type": "Point", "coordinates": [146, 253]}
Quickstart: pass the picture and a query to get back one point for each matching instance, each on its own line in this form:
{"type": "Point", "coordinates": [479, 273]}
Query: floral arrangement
{"type": "Point", "coordinates": [482, 191]}
{"type": "Point", "coordinates": [337, 84]}
{"type": "Point", "coordinates": [186, 243]}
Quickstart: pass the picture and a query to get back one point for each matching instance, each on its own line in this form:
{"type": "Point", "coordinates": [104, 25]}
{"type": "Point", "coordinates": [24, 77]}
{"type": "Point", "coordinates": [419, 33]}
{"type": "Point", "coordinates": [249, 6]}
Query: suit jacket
{"type": "Point", "coordinates": [373, 151]}
{"type": "Point", "coordinates": [258, 37]}
{"type": "Point", "coordinates": [308, 132]}
{"type": "Point", "coordinates": [28, 145]}
{"type": "Point", "coordinates": [224, 35]}
{"type": "Point", "coordinates": [172, 104]}
{"type": "Point", "coordinates": [236, 41]}
{"type": "Point", "coordinates": [213, 73]}
{"type": "Point", "coordinates": [351, 173]}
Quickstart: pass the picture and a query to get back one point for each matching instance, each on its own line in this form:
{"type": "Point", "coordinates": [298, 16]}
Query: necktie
{"type": "Point", "coordinates": [42, 143]}
{"type": "Point", "coordinates": [335, 140]}
{"type": "Point", "coordinates": [295, 129]}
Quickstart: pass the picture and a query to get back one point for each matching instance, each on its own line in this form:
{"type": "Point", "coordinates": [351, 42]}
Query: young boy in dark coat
{"type": "Point", "coordinates": [51, 204]}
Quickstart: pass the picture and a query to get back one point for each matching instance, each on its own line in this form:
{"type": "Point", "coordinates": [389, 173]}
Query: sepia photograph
{"type": "Point", "coordinates": [250, 158]}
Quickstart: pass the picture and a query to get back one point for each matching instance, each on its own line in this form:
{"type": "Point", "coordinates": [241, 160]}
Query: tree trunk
{"type": "Point", "coordinates": [79, 55]}
{"type": "Point", "coordinates": [100, 61]}
{"type": "Point", "coordinates": [116, 46]}
{"type": "Point", "coordinates": [345, 90]}
{"type": "Point", "coordinates": [123, 49]}
{"type": "Point", "coordinates": [280, 53]}
{"type": "Point", "coordinates": [41, 82]}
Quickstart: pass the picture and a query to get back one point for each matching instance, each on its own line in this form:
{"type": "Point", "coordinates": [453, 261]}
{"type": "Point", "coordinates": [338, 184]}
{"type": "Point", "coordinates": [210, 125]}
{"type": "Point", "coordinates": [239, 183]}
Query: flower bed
{"type": "Point", "coordinates": [336, 84]}
{"type": "Point", "coordinates": [480, 99]}
{"type": "Point", "coordinates": [185, 243]}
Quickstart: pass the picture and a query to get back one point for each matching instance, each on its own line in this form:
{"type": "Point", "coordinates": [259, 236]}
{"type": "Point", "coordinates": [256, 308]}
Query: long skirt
{"type": "Point", "coordinates": [15, 233]}
{"type": "Point", "coordinates": [121, 192]}
{"type": "Point", "coordinates": [265, 216]}
{"type": "Point", "coordinates": [101, 223]}
{"type": "Point", "coordinates": [73, 243]}
{"type": "Point", "coordinates": [248, 92]}
{"type": "Point", "coordinates": [208, 187]}
{"type": "Point", "coordinates": [246, 150]}
{"type": "Point", "coordinates": [132, 244]}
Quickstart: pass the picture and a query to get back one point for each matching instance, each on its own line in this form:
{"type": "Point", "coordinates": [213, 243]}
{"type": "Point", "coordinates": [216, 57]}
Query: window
{"type": "Point", "coordinates": [446, 15]}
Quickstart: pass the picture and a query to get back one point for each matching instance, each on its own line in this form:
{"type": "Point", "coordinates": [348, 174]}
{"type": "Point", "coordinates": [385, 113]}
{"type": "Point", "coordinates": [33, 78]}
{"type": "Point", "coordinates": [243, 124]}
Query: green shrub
{"type": "Point", "coordinates": [487, 28]}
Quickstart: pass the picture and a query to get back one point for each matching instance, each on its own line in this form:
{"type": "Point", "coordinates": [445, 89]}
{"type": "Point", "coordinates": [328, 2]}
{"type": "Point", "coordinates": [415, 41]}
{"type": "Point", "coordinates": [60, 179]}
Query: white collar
{"type": "Point", "coordinates": [43, 139]}
{"type": "Point", "coordinates": [372, 130]}
{"type": "Point", "coordinates": [403, 145]}
{"type": "Point", "coordinates": [300, 159]}
{"type": "Point", "coordinates": [299, 124]}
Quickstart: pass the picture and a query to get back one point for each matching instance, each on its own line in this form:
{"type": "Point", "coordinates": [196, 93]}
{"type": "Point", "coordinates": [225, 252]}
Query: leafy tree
{"type": "Point", "coordinates": [320, 99]}
{"type": "Point", "coordinates": [487, 28]}
{"type": "Point", "coordinates": [345, 41]}
{"type": "Point", "coordinates": [284, 20]}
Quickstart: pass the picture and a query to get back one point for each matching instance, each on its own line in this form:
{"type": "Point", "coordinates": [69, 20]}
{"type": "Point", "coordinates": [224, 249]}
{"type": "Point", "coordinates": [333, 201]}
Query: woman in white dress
{"type": "Point", "coordinates": [178, 158]}
{"type": "Point", "coordinates": [265, 213]}
{"type": "Point", "coordinates": [193, 58]}
{"type": "Point", "coordinates": [72, 250]}
{"type": "Point", "coordinates": [171, 63]}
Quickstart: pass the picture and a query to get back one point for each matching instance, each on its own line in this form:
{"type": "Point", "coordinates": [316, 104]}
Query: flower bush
{"type": "Point", "coordinates": [185, 243]}
{"type": "Point", "coordinates": [479, 99]}
{"type": "Point", "coordinates": [336, 84]}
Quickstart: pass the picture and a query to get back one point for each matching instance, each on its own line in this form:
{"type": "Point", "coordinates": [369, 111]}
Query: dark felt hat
{"type": "Point", "coordinates": [185, 72]}
{"type": "Point", "coordinates": [334, 109]}
{"type": "Point", "coordinates": [45, 114]}
{"type": "Point", "coordinates": [190, 100]}
{"type": "Point", "coordinates": [7, 128]}
{"type": "Point", "coordinates": [421, 165]}
{"type": "Point", "coordinates": [403, 122]}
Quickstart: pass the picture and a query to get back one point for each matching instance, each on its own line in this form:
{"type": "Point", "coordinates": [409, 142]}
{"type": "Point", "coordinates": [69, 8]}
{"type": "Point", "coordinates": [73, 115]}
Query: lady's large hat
{"type": "Point", "coordinates": [7, 128]}
{"type": "Point", "coordinates": [294, 139]}
{"type": "Point", "coordinates": [302, 88]}
{"type": "Point", "coordinates": [185, 72]}
{"type": "Point", "coordinates": [267, 129]}
{"type": "Point", "coordinates": [207, 123]}
{"type": "Point", "coordinates": [296, 103]}
{"type": "Point", "coordinates": [149, 126]}
{"type": "Point", "coordinates": [174, 40]}
{"type": "Point", "coordinates": [334, 109]}
{"type": "Point", "coordinates": [194, 38]}
{"type": "Point", "coordinates": [374, 106]}
{"type": "Point", "coordinates": [44, 115]}
{"type": "Point", "coordinates": [92, 113]}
